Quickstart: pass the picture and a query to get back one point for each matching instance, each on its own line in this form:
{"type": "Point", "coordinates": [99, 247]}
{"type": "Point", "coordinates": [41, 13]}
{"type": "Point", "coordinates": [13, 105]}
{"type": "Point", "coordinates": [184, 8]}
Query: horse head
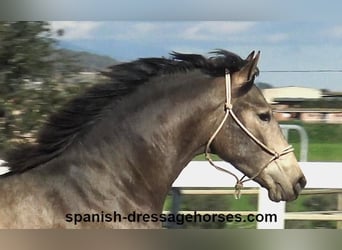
{"type": "Point", "coordinates": [251, 138]}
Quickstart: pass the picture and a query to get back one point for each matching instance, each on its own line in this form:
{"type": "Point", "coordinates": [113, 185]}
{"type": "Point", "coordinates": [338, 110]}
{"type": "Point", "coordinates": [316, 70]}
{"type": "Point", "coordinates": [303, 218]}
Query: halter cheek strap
{"type": "Point", "coordinates": [228, 109]}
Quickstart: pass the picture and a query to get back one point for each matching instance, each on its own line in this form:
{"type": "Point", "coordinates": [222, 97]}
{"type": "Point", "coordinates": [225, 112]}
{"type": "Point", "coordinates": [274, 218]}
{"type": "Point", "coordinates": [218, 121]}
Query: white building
{"type": "Point", "coordinates": [274, 94]}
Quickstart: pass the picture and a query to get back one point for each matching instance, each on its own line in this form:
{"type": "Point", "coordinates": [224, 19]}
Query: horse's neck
{"type": "Point", "coordinates": [157, 138]}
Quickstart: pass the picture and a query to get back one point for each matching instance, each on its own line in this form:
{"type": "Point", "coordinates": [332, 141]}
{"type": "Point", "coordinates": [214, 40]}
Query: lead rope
{"type": "Point", "coordinates": [228, 109]}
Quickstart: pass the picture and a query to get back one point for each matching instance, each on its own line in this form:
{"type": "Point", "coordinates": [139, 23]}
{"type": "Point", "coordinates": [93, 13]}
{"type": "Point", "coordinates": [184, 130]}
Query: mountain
{"type": "Point", "coordinates": [88, 61]}
{"type": "Point", "coordinates": [263, 85]}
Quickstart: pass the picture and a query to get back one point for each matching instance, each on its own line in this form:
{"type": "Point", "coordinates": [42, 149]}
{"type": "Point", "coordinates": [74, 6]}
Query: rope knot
{"type": "Point", "coordinates": [228, 106]}
{"type": "Point", "coordinates": [238, 187]}
{"type": "Point", "coordinates": [276, 155]}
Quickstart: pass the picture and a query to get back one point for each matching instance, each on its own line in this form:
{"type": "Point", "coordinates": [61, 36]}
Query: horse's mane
{"type": "Point", "coordinates": [69, 124]}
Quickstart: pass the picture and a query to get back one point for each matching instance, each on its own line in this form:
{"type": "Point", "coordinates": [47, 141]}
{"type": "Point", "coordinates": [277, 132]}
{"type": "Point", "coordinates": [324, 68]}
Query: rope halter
{"type": "Point", "coordinates": [228, 109]}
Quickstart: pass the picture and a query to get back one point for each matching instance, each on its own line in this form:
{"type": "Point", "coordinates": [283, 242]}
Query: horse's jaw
{"type": "Point", "coordinates": [281, 185]}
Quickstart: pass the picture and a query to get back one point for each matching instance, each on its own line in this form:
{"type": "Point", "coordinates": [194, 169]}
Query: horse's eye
{"type": "Point", "coordinates": [266, 117]}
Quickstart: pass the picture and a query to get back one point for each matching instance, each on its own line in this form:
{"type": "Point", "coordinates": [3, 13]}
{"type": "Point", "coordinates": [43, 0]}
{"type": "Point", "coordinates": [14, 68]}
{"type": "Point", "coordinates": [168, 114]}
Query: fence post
{"type": "Point", "coordinates": [304, 141]}
{"type": "Point", "coordinates": [176, 200]}
{"type": "Point", "coordinates": [339, 208]}
{"type": "Point", "coordinates": [266, 206]}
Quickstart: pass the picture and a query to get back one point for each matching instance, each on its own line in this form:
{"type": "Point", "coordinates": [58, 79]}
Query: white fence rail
{"type": "Point", "coordinates": [199, 174]}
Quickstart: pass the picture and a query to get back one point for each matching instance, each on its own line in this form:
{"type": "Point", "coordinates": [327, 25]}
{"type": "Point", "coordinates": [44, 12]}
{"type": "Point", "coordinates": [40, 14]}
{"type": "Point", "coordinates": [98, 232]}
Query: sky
{"type": "Point", "coordinates": [309, 47]}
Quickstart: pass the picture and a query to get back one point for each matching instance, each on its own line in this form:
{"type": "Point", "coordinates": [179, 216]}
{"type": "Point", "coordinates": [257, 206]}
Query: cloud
{"type": "Point", "coordinates": [215, 30]}
{"type": "Point", "coordinates": [130, 30]}
{"type": "Point", "coordinates": [335, 32]}
{"type": "Point", "coordinates": [76, 30]}
{"type": "Point", "coordinates": [133, 30]}
{"type": "Point", "coordinates": [202, 31]}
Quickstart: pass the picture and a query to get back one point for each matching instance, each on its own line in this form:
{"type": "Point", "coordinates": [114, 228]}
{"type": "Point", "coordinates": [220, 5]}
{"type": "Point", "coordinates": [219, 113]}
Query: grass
{"type": "Point", "coordinates": [325, 141]}
{"type": "Point", "coordinates": [327, 152]}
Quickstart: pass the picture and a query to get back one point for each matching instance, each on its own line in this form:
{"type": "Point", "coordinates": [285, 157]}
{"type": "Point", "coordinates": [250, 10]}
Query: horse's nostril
{"type": "Point", "coordinates": [302, 181]}
{"type": "Point", "coordinates": [299, 185]}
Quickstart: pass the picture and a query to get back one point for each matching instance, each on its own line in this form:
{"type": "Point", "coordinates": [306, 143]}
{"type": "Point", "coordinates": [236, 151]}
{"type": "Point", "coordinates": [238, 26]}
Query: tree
{"type": "Point", "coordinates": [25, 54]}
{"type": "Point", "coordinates": [31, 73]}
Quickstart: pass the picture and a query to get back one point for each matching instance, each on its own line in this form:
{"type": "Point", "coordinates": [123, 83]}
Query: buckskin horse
{"type": "Point", "coordinates": [119, 146]}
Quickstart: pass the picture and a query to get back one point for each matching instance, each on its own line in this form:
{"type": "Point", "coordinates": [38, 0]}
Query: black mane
{"type": "Point", "coordinates": [71, 122]}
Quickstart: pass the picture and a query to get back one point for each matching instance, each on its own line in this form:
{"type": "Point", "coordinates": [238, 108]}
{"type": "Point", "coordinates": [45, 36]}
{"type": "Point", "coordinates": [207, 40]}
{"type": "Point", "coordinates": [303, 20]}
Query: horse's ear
{"type": "Point", "coordinates": [250, 70]}
{"type": "Point", "coordinates": [243, 79]}
{"type": "Point", "coordinates": [250, 56]}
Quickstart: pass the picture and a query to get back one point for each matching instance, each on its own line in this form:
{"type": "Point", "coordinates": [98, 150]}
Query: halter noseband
{"type": "Point", "coordinates": [228, 109]}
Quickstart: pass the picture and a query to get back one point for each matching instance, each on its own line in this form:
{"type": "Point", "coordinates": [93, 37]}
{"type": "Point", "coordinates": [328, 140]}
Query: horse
{"type": "Point", "coordinates": [115, 150]}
